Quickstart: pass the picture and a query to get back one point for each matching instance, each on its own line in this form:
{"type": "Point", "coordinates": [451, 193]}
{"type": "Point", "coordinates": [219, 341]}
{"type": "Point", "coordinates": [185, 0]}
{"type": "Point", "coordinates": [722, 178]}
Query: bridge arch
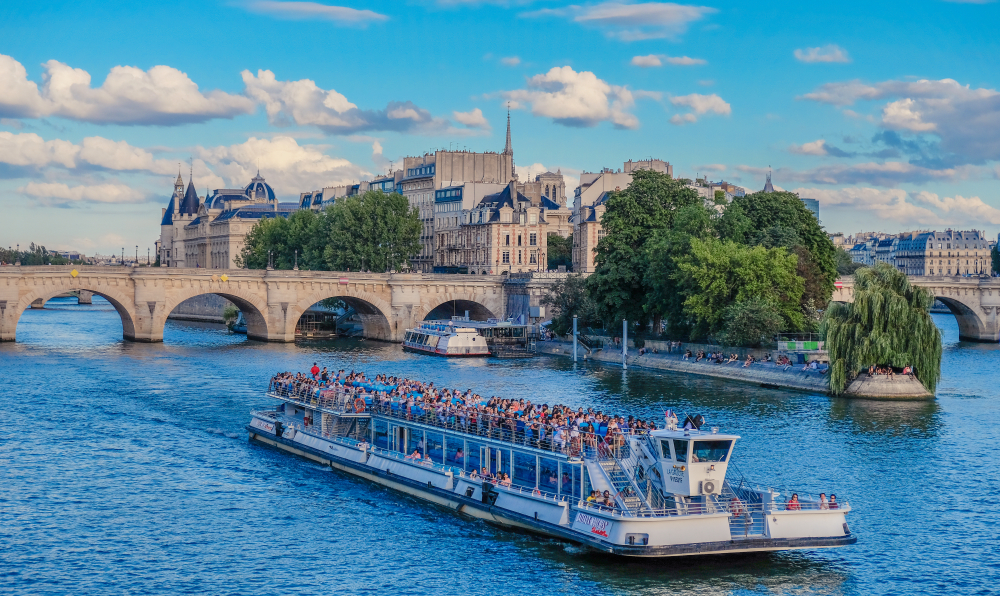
{"type": "Point", "coordinates": [371, 308]}
{"type": "Point", "coordinates": [121, 301]}
{"type": "Point", "coordinates": [254, 309]}
{"type": "Point", "coordinates": [971, 326]}
{"type": "Point", "coordinates": [458, 307]}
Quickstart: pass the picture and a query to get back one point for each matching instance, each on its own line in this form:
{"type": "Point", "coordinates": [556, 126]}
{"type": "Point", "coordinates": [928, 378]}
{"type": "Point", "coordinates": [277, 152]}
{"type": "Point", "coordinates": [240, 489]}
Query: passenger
{"type": "Point", "coordinates": [793, 503]}
{"type": "Point", "coordinates": [593, 497]}
{"type": "Point", "coordinates": [833, 502]}
{"type": "Point", "coordinates": [315, 370]}
{"type": "Point", "coordinates": [822, 501]}
{"type": "Point", "coordinates": [504, 480]}
{"type": "Point", "coordinates": [415, 455]}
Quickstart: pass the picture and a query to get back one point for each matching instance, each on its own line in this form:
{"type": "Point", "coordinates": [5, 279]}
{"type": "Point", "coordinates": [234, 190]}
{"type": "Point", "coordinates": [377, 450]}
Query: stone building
{"type": "Point", "coordinates": [505, 231]}
{"type": "Point", "coordinates": [588, 206]}
{"type": "Point", "coordinates": [424, 175]}
{"type": "Point", "coordinates": [209, 231]}
{"type": "Point", "coordinates": [951, 252]}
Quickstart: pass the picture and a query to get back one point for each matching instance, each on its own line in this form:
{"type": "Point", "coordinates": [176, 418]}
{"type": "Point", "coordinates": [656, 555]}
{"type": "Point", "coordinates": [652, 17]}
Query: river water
{"type": "Point", "coordinates": [125, 469]}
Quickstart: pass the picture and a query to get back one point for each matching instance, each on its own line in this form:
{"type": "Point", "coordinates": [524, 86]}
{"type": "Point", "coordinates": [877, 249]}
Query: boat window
{"type": "Point", "coordinates": [455, 452]}
{"type": "Point", "coordinates": [710, 451]}
{"type": "Point", "coordinates": [435, 447]}
{"type": "Point", "coordinates": [415, 442]}
{"type": "Point", "coordinates": [680, 450]}
{"type": "Point", "coordinates": [548, 475]}
{"type": "Point", "coordinates": [381, 434]}
{"type": "Point", "coordinates": [665, 447]}
{"type": "Point", "coordinates": [473, 457]}
{"type": "Point", "coordinates": [525, 469]}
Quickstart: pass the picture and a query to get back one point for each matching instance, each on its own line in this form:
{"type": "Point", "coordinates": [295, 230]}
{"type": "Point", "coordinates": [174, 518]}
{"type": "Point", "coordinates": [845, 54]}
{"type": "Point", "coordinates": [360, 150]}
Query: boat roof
{"type": "Point", "coordinates": [689, 434]}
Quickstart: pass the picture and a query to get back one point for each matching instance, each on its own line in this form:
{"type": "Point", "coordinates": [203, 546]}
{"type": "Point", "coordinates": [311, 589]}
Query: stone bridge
{"type": "Point", "coordinates": [973, 300]}
{"type": "Point", "coordinates": [271, 301]}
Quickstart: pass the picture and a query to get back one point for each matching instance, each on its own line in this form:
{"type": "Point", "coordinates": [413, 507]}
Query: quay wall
{"type": "Point", "coordinates": [793, 377]}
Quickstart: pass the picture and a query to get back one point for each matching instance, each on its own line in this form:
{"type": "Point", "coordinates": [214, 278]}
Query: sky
{"type": "Point", "coordinates": [889, 115]}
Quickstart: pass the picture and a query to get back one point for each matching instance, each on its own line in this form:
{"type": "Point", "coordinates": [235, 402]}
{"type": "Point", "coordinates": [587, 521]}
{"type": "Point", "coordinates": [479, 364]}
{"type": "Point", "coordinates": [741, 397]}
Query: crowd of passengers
{"type": "Point", "coordinates": [556, 427]}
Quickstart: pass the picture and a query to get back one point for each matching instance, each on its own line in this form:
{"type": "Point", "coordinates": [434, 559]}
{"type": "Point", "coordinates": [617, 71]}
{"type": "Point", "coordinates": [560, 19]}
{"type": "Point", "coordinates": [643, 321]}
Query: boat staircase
{"type": "Point", "coordinates": [745, 505]}
{"type": "Point", "coordinates": [617, 467]}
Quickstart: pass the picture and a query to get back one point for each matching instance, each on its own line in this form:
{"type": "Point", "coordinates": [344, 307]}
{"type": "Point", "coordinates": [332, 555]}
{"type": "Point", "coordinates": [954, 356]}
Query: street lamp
{"type": "Point", "coordinates": [123, 256]}
{"type": "Point", "coordinates": [136, 254]}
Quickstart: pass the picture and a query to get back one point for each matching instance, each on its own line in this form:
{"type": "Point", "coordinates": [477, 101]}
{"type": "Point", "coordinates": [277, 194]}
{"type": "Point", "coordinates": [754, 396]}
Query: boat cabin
{"type": "Point", "coordinates": [691, 462]}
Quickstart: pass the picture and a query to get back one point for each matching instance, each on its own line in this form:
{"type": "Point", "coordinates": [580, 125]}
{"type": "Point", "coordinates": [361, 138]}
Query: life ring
{"type": "Point", "coordinates": [359, 405]}
{"type": "Point", "coordinates": [737, 507]}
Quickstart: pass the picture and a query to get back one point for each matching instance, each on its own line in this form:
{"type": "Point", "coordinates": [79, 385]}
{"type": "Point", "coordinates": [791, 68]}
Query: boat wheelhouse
{"type": "Point", "coordinates": [675, 492]}
{"type": "Point", "coordinates": [445, 339]}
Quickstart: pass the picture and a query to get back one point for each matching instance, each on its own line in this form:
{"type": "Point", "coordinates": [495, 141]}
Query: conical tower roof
{"type": "Point", "coordinates": [189, 206]}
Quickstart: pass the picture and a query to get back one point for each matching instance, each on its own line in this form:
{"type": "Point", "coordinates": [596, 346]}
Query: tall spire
{"type": "Point", "coordinates": [508, 150]}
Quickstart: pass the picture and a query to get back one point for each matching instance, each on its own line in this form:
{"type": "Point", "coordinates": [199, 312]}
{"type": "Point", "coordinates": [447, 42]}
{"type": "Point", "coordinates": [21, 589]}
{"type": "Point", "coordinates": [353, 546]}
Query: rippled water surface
{"type": "Point", "coordinates": [125, 469]}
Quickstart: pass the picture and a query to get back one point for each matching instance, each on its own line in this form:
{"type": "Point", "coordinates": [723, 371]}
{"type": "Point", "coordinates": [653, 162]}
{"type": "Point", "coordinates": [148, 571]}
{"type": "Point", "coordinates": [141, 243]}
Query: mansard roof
{"type": "Point", "coordinates": [168, 216]}
{"type": "Point", "coordinates": [189, 206]}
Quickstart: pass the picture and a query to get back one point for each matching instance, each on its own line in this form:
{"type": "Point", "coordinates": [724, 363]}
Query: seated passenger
{"type": "Point", "coordinates": [414, 455]}
{"type": "Point", "coordinates": [833, 502]}
{"type": "Point", "coordinates": [822, 501]}
{"type": "Point", "coordinates": [793, 504]}
{"type": "Point", "coordinates": [593, 497]}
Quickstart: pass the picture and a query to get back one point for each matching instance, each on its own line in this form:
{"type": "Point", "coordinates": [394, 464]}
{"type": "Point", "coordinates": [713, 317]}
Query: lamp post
{"type": "Point", "coordinates": [123, 256]}
{"type": "Point", "coordinates": [296, 268]}
{"type": "Point", "coordinates": [136, 255]}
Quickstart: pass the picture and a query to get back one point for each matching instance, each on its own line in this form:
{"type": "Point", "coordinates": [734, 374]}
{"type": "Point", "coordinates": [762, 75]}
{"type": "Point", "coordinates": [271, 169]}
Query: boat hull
{"type": "Point", "coordinates": [473, 506]}
{"type": "Point", "coordinates": [444, 354]}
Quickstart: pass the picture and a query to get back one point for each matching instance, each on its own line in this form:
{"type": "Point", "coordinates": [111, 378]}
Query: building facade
{"type": "Point", "coordinates": [951, 252]}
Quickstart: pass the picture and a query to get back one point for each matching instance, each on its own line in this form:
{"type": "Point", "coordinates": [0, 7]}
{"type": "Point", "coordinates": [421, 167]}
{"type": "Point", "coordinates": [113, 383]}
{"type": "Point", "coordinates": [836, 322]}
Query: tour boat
{"type": "Point", "coordinates": [675, 491]}
{"type": "Point", "coordinates": [445, 339]}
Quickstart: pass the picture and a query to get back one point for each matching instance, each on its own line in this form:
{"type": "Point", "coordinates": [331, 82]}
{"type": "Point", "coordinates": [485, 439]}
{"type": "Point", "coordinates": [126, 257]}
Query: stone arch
{"type": "Point", "coordinates": [253, 307]}
{"type": "Point", "coordinates": [457, 307]}
{"type": "Point", "coordinates": [971, 324]}
{"type": "Point", "coordinates": [121, 301]}
{"type": "Point", "coordinates": [373, 311]}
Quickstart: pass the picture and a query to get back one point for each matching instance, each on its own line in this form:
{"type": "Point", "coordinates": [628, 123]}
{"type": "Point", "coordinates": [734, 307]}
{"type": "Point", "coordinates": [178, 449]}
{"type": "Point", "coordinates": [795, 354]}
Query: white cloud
{"type": "Point", "coordinates": [288, 167]}
{"type": "Point", "coordinates": [699, 104]}
{"type": "Point", "coordinates": [377, 158]}
{"type": "Point", "coordinates": [129, 95]}
{"type": "Point", "coordinates": [576, 99]}
{"type": "Point", "coordinates": [511, 61]}
{"type": "Point", "coordinates": [897, 206]}
{"type": "Point", "coordinates": [304, 103]}
{"type": "Point", "coordinates": [712, 167]}
{"type": "Point", "coordinates": [61, 194]}
{"type": "Point", "coordinates": [887, 174]}
{"type": "Point", "coordinates": [827, 53]}
{"type": "Point", "coordinates": [812, 148]}
{"type": "Point", "coordinates": [31, 150]}
{"type": "Point", "coordinates": [472, 119]}
{"type": "Point", "coordinates": [966, 120]}
{"type": "Point", "coordinates": [653, 60]}
{"type": "Point", "coordinates": [627, 21]}
{"type": "Point", "coordinates": [313, 11]}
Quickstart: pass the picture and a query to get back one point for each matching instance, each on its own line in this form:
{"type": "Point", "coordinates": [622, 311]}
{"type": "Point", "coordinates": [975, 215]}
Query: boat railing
{"type": "Point", "coordinates": [737, 486]}
{"type": "Point", "coordinates": [348, 402]}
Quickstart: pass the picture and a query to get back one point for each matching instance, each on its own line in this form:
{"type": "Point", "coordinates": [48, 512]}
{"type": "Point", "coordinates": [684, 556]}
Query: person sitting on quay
{"type": "Point", "coordinates": [687, 355]}
{"type": "Point", "coordinates": [749, 361]}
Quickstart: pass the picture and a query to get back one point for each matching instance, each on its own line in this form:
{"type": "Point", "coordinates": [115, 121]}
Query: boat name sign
{"type": "Point", "coordinates": [597, 525]}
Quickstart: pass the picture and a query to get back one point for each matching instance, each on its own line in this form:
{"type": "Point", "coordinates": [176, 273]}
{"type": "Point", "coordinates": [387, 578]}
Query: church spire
{"type": "Point", "coordinates": [508, 150]}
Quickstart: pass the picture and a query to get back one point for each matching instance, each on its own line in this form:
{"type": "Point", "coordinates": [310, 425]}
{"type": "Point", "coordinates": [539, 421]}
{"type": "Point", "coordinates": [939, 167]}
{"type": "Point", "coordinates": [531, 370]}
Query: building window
{"type": "Point", "coordinates": [506, 257]}
{"type": "Point", "coordinates": [533, 218]}
{"type": "Point", "coordinates": [506, 240]}
{"type": "Point", "coordinates": [531, 259]}
{"type": "Point", "coordinates": [519, 240]}
{"type": "Point", "coordinates": [518, 257]}
{"type": "Point", "coordinates": [533, 239]}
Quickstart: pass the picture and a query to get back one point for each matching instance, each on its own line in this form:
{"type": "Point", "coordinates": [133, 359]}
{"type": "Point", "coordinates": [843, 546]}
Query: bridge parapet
{"type": "Point", "coordinates": [975, 302]}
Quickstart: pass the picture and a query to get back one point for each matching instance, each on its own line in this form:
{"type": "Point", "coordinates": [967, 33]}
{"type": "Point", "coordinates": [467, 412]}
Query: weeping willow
{"type": "Point", "coordinates": [888, 324]}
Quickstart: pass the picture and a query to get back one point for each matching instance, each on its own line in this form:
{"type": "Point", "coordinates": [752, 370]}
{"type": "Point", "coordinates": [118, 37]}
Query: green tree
{"type": "Point", "coordinates": [569, 297]}
{"type": "Point", "coordinates": [633, 216]}
{"type": "Point", "coordinates": [775, 217]}
{"type": "Point", "coordinates": [888, 324]}
{"type": "Point", "coordinates": [560, 251]}
{"type": "Point", "coordinates": [720, 197]}
{"type": "Point", "coordinates": [751, 322]}
{"type": "Point", "coordinates": [374, 231]}
{"type": "Point", "coordinates": [846, 265]}
{"type": "Point", "coordinates": [995, 258]}
{"type": "Point", "coordinates": [717, 274]}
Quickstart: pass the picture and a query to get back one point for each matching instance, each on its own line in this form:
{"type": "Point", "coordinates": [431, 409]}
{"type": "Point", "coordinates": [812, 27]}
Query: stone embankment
{"type": "Point", "coordinates": [764, 374]}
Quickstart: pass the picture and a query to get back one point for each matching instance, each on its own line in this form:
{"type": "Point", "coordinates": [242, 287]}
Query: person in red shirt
{"type": "Point", "coordinates": [314, 370]}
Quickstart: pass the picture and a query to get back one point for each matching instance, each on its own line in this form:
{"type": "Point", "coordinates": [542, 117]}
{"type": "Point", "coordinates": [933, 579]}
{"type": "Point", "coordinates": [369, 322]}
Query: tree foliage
{"type": "Point", "coordinates": [845, 265]}
{"type": "Point", "coordinates": [633, 216]}
{"type": "Point", "coordinates": [373, 231]}
{"type": "Point", "coordinates": [718, 274]}
{"type": "Point", "coordinates": [569, 297]}
{"type": "Point", "coordinates": [888, 324]}
{"type": "Point", "coordinates": [560, 251]}
{"type": "Point", "coordinates": [35, 254]}
{"type": "Point", "coordinates": [995, 258]}
{"type": "Point", "coordinates": [751, 322]}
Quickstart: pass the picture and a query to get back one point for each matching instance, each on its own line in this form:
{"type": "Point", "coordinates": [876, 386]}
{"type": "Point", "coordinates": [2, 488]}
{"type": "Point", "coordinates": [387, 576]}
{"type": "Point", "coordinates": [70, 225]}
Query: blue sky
{"type": "Point", "coordinates": [889, 115]}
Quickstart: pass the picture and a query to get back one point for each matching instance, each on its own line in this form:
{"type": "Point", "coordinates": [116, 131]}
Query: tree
{"type": "Point", "coordinates": [751, 322]}
{"type": "Point", "coordinates": [717, 274]}
{"type": "Point", "coordinates": [569, 297]}
{"type": "Point", "coordinates": [720, 197]}
{"type": "Point", "coordinates": [775, 216]}
{"type": "Point", "coordinates": [374, 231]}
{"type": "Point", "coordinates": [888, 324]}
{"type": "Point", "coordinates": [560, 251]}
{"type": "Point", "coordinates": [995, 259]}
{"type": "Point", "coordinates": [632, 217]}
{"type": "Point", "coordinates": [846, 265]}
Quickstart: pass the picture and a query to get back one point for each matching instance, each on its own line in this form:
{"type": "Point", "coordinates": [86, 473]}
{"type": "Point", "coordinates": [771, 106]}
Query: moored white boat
{"type": "Point", "coordinates": [675, 492]}
{"type": "Point", "coordinates": [445, 339]}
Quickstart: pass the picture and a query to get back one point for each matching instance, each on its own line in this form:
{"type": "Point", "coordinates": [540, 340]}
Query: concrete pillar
{"type": "Point", "coordinates": [84, 297]}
